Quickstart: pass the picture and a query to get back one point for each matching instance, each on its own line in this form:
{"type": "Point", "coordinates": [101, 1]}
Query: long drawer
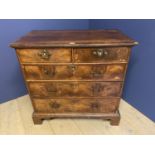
{"type": "Point", "coordinates": [75, 89]}
{"type": "Point", "coordinates": [76, 105]}
{"type": "Point", "coordinates": [75, 71]}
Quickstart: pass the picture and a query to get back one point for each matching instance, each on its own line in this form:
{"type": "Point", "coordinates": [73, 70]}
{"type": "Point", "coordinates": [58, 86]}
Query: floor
{"type": "Point", "coordinates": [15, 118]}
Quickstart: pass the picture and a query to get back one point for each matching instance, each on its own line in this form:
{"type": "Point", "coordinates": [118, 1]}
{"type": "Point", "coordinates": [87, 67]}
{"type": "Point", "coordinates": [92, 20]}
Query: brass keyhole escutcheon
{"type": "Point", "coordinates": [72, 69]}
{"type": "Point", "coordinates": [44, 54]}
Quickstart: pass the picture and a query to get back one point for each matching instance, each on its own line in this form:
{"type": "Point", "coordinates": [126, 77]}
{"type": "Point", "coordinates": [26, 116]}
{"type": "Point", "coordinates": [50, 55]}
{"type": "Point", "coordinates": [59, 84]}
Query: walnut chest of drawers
{"type": "Point", "coordinates": [72, 74]}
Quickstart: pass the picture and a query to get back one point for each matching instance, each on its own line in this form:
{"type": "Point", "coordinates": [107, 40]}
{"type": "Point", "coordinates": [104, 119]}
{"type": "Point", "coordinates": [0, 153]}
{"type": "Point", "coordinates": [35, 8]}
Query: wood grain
{"type": "Point", "coordinates": [112, 54]}
{"type": "Point", "coordinates": [82, 72]}
{"type": "Point", "coordinates": [75, 89]}
{"type": "Point", "coordinates": [76, 105]}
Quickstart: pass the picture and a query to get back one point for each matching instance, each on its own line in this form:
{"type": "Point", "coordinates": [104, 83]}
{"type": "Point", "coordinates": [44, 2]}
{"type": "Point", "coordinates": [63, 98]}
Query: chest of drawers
{"type": "Point", "coordinates": [74, 73]}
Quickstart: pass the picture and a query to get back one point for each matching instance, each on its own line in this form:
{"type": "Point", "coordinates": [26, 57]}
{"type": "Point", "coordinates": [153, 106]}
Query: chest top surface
{"type": "Point", "coordinates": [73, 38]}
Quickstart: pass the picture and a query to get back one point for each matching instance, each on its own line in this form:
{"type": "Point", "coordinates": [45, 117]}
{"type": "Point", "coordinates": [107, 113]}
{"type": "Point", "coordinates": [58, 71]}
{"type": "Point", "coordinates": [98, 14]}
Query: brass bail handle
{"type": "Point", "coordinates": [100, 52]}
{"type": "Point", "coordinates": [44, 54]}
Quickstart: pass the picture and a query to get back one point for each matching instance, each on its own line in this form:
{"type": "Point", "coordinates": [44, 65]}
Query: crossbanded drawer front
{"type": "Point", "coordinates": [54, 55]}
{"type": "Point", "coordinates": [76, 105]}
{"type": "Point", "coordinates": [75, 89]}
{"type": "Point", "coordinates": [100, 55]}
{"type": "Point", "coordinates": [72, 72]}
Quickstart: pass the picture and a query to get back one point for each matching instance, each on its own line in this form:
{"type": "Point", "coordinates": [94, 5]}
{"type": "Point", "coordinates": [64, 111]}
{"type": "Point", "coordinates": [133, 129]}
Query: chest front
{"type": "Point", "coordinates": [72, 78]}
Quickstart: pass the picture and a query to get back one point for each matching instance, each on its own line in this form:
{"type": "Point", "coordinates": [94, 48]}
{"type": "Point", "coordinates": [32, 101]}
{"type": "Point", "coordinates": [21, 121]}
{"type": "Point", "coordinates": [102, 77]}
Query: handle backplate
{"type": "Point", "coordinates": [100, 53]}
{"type": "Point", "coordinates": [44, 54]}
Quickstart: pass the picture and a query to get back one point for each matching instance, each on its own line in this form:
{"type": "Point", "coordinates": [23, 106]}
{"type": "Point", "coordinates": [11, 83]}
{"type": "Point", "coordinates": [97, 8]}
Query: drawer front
{"type": "Point", "coordinates": [55, 55]}
{"type": "Point", "coordinates": [75, 89]}
{"type": "Point", "coordinates": [115, 54]}
{"type": "Point", "coordinates": [79, 72]}
{"type": "Point", "coordinates": [76, 105]}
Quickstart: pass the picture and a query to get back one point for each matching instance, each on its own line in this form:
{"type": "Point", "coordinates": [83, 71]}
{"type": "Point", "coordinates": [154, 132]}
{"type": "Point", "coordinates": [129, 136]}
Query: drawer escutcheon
{"type": "Point", "coordinates": [72, 68]}
{"type": "Point", "coordinates": [44, 54]}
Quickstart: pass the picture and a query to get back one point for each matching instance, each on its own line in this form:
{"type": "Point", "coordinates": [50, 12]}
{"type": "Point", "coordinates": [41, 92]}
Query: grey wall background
{"type": "Point", "coordinates": [139, 85]}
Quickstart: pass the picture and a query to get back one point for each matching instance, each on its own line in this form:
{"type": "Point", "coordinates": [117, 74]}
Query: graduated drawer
{"type": "Point", "coordinates": [55, 55]}
{"type": "Point", "coordinates": [75, 89]}
{"type": "Point", "coordinates": [99, 55]}
{"type": "Point", "coordinates": [70, 72]}
{"type": "Point", "coordinates": [76, 105]}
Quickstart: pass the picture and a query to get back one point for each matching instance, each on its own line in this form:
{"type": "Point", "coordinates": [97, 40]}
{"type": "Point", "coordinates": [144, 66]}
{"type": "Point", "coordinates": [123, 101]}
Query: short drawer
{"type": "Point", "coordinates": [100, 55]}
{"type": "Point", "coordinates": [76, 105]}
{"type": "Point", "coordinates": [75, 89]}
{"type": "Point", "coordinates": [72, 72]}
{"type": "Point", "coordinates": [55, 55]}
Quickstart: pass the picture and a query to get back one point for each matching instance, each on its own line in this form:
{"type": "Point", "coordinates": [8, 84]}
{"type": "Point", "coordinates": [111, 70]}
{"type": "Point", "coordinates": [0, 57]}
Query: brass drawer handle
{"type": "Point", "coordinates": [54, 105]}
{"type": "Point", "coordinates": [44, 54]}
{"type": "Point", "coordinates": [100, 53]}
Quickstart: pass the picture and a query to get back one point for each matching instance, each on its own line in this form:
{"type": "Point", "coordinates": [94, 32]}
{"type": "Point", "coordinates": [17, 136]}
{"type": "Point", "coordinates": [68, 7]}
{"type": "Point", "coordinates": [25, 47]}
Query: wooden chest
{"type": "Point", "coordinates": [74, 73]}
